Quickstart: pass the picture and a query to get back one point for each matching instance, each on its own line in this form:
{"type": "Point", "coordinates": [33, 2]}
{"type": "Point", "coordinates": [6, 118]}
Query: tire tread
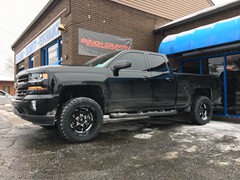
{"type": "Point", "coordinates": [194, 110]}
{"type": "Point", "coordinates": [67, 106]}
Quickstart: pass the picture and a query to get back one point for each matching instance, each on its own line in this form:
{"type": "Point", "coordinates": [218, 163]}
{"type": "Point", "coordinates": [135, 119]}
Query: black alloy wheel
{"type": "Point", "coordinates": [201, 110]}
{"type": "Point", "coordinates": [204, 111]}
{"type": "Point", "coordinates": [80, 120]}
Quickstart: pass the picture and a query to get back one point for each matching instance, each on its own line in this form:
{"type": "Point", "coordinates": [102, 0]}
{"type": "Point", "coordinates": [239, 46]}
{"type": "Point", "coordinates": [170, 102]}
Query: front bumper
{"type": "Point", "coordinates": [44, 114]}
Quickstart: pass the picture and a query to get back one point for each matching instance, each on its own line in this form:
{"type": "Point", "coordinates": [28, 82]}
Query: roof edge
{"type": "Point", "coordinates": [211, 3]}
{"type": "Point", "coordinates": [6, 78]}
{"type": "Point", "coordinates": [47, 7]}
{"type": "Point", "coordinates": [198, 15]}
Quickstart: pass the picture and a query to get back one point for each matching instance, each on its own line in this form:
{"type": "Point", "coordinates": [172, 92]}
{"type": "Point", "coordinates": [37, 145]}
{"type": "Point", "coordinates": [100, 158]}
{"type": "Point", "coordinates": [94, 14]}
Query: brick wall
{"type": "Point", "coordinates": [105, 17]}
{"type": "Point", "coordinates": [7, 83]}
{"type": "Point", "coordinates": [111, 18]}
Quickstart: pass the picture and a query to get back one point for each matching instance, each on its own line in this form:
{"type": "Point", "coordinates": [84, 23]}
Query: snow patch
{"type": "Point", "coordinates": [237, 160]}
{"type": "Point", "coordinates": [213, 130]}
{"type": "Point", "coordinates": [143, 136]}
{"type": "Point", "coordinates": [227, 148]}
{"type": "Point", "coordinates": [191, 149]}
{"type": "Point", "coordinates": [171, 155]}
{"type": "Point", "coordinates": [224, 163]}
{"type": "Point", "coordinates": [148, 133]}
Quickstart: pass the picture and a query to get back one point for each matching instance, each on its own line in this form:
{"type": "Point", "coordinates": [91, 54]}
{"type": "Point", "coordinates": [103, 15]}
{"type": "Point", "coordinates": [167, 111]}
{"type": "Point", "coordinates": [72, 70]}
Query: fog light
{"type": "Point", "coordinates": [34, 105]}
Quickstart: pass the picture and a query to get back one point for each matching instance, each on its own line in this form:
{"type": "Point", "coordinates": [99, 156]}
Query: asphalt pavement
{"type": "Point", "coordinates": [144, 148]}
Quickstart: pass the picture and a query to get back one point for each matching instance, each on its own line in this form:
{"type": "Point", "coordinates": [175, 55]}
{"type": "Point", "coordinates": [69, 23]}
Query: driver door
{"type": "Point", "coordinates": [131, 89]}
{"type": "Point", "coordinates": [163, 82]}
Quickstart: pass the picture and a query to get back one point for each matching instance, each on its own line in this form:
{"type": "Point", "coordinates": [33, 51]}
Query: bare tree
{"type": "Point", "coordinates": [9, 66]}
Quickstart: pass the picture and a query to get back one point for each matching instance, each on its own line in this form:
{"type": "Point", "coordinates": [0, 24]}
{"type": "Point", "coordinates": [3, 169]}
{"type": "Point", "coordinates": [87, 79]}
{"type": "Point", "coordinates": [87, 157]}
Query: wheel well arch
{"type": "Point", "coordinates": [90, 91]}
{"type": "Point", "coordinates": [202, 92]}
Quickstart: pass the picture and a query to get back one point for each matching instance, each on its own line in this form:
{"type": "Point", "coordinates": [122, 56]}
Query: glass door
{"type": "Point", "coordinates": [233, 86]}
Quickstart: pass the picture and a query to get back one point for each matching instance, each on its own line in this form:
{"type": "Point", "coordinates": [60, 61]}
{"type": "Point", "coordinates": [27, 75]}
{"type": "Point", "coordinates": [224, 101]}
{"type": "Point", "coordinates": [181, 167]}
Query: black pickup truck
{"type": "Point", "coordinates": [121, 83]}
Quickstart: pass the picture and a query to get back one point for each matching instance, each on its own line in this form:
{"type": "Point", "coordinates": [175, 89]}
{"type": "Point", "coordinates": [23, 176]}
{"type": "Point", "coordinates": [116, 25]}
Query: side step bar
{"type": "Point", "coordinates": [140, 114]}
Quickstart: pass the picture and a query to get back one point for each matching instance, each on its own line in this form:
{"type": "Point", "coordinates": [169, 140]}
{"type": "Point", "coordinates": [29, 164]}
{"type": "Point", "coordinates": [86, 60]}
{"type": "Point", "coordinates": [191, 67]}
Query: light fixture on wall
{"type": "Point", "coordinates": [61, 27]}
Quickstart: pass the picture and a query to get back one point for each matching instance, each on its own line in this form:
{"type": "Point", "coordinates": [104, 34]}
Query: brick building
{"type": "Point", "coordinates": [53, 36]}
{"type": "Point", "coordinates": [7, 86]}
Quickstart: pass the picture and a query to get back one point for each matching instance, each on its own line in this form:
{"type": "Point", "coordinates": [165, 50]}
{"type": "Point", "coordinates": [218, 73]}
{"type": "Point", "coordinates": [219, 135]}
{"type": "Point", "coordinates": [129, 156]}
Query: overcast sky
{"type": "Point", "coordinates": [15, 16]}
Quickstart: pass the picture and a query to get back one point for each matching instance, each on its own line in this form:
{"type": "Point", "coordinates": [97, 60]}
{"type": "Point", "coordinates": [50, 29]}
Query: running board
{"type": "Point", "coordinates": [140, 114]}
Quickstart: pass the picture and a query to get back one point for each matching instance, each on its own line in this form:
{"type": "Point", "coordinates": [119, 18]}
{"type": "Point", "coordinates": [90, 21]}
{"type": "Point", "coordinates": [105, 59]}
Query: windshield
{"type": "Point", "coordinates": [101, 61]}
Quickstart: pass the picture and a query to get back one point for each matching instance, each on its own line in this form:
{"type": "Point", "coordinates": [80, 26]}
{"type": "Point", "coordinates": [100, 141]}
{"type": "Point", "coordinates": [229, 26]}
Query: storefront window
{"type": "Point", "coordinates": [52, 54]}
{"type": "Point", "coordinates": [233, 86]}
{"type": "Point", "coordinates": [199, 66]}
{"type": "Point", "coordinates": [232, 91]}
{"type": "Point", "coordinates": [6, 89]}
{"type": "Point", "coordinates": [191, 67]}
{"type": "Point", "coordinates": [31, 61]}
{"type": "Point", "coordinates": [20, 66]}
{"type": "Point", "coordinates": [216, 66]}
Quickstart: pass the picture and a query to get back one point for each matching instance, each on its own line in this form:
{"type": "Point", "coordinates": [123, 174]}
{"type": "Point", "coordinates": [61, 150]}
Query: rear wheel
{"type": "Point", "coordinates": [80, 120]}
{"type": "Point", "coordinates": [201, 110]}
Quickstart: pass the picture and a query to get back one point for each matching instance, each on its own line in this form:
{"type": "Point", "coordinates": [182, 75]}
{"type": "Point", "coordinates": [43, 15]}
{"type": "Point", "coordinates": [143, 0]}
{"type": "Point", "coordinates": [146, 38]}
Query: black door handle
{"type": "Point", "coordinates": [169, 79]}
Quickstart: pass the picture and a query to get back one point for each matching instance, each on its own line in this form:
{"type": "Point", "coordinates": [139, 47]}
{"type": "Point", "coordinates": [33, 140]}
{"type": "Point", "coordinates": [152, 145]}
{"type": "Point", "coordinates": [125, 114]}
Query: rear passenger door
{"type": "Point", "coordinates": [163, 81]}
{"type": "Point", "coordinates": [131, 89]}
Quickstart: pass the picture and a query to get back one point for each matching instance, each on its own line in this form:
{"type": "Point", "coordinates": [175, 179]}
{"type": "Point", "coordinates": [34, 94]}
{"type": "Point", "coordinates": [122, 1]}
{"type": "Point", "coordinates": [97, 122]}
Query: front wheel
{"type": "Point", "coordinates": [201, 110]}
{"type": "Point", "coordinates": [80, 120]}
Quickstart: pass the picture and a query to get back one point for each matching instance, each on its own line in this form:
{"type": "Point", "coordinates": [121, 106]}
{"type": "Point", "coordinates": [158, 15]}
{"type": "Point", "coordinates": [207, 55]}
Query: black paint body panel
{"type": "Point", "coordinates": [130, 91]}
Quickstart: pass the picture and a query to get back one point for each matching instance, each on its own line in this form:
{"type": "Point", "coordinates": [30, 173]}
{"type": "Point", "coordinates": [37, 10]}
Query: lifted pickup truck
{"type": "Point", "coordinates": [75, 98]}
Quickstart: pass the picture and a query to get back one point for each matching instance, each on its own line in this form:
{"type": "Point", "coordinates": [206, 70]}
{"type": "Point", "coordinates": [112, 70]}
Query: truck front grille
{"type": "Point", "coordinates": [20, 94]}
{"type": "Point", "coordinates": [21, 90]}
{"type": "Point", "coordinates": [23, 78]}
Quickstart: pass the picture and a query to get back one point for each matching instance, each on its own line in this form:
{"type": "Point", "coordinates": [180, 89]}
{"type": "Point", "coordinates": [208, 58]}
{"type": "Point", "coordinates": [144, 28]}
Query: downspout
{"type": "Point", "coordinates": [70, 9]}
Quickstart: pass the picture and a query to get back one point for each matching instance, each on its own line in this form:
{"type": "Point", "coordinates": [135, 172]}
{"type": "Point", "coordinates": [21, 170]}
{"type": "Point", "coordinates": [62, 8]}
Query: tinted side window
{"type": "Point", "coordinates": [158, 63]}
{"type": "Point", "coordinates": [137, 60]}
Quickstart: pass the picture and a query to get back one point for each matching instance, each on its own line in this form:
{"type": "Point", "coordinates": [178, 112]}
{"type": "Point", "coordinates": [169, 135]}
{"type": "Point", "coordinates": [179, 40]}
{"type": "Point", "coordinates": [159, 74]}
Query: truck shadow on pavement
{"type": "Point", "coordinates": [116, 131]}
{"type": "Point", "coordinates": [113, 132]}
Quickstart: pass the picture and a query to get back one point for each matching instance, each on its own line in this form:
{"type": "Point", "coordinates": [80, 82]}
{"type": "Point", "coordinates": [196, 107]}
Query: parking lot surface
{"type": "Point", "coordinates": [160, 148]}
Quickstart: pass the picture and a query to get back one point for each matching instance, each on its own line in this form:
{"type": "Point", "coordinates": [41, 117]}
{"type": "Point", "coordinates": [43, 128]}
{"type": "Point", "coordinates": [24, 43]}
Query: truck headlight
{"type": "Point", "coordinates": [33, 77]}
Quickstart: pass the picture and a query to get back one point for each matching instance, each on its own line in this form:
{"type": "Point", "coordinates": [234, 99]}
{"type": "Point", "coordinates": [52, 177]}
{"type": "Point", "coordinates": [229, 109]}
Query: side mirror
{"type": "Point", "coordinates": [120, 65]}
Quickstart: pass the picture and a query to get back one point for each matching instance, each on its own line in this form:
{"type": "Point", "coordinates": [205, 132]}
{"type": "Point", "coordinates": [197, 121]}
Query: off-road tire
{"type": "Point", "coordinates": [70, 123]}
{"type": "Point", "coordinates": [201, 110]}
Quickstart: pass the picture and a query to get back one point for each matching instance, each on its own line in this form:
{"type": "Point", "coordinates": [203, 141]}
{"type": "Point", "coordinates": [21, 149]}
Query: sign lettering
{"type": "Point", "coordinates": [95, 44]}
{"type": "Point", "coordinates": [43, 39]}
